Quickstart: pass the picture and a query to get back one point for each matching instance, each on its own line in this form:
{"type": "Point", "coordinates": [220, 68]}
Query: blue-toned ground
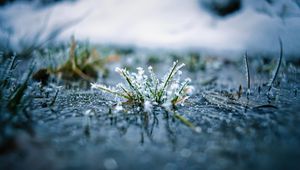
{"type": "Point", "coordinates": [80, 128]}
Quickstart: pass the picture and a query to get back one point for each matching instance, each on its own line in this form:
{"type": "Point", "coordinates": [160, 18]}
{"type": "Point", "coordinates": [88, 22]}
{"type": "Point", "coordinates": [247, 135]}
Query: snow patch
{"type": "Point", "coordinates": [170, 24]}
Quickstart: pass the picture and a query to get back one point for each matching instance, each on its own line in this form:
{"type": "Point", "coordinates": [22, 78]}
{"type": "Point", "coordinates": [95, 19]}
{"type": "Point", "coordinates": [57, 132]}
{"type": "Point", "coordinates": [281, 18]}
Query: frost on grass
{"type": "Point", "coordinates": [147, 90]}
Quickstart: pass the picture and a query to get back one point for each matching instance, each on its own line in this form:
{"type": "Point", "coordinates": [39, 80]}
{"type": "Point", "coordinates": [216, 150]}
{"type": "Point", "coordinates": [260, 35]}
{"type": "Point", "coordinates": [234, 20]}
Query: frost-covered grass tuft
{"type": "Point", "coordinates": [148, 90]}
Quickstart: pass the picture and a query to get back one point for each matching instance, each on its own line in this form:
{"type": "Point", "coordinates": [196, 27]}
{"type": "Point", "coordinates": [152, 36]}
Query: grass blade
{"type": "Point", "coordinates": [278, 66]}
{"type": "Point", "coordinates": [247, 74]}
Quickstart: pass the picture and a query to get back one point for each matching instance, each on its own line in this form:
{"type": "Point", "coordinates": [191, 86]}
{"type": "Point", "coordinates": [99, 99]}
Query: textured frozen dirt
{"type": "Point", "coordinates": [82, 130]}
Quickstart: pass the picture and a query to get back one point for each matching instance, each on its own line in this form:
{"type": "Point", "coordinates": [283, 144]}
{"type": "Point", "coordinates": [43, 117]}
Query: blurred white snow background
{"type": "Point", "coordinates": [165, 24]}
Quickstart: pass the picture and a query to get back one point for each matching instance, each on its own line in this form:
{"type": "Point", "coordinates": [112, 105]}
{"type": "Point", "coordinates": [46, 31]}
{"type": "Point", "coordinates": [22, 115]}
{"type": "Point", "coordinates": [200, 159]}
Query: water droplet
{"type": "Point", "coordinates": [198, 129]}
{"type": "Point", "coordinates": [110, 164]}
{"type": "Point", "coordinates": [185, 153]}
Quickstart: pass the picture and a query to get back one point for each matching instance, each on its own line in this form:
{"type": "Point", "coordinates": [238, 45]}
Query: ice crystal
{"type": "Point", "coordinates": [148, 90]}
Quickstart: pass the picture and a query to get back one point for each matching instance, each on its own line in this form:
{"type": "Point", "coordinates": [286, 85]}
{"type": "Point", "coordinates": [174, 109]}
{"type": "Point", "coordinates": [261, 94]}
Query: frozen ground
{"type": "Point", "coordinates": [65, 125]}
{"type": "Point", "coordinates": [170, 24]}
{"type": "Point", "coordinates": [82, 129]}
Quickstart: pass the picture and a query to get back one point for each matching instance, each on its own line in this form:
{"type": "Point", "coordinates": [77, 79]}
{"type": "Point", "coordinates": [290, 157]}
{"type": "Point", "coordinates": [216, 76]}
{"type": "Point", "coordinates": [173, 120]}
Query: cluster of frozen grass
{"type": "Point", "coordinates": [147, 90]}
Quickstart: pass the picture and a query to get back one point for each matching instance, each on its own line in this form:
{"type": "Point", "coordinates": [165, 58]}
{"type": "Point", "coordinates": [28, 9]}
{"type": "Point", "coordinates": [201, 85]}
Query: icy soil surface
{"type": "Point", "coordinates": [83, 130]}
